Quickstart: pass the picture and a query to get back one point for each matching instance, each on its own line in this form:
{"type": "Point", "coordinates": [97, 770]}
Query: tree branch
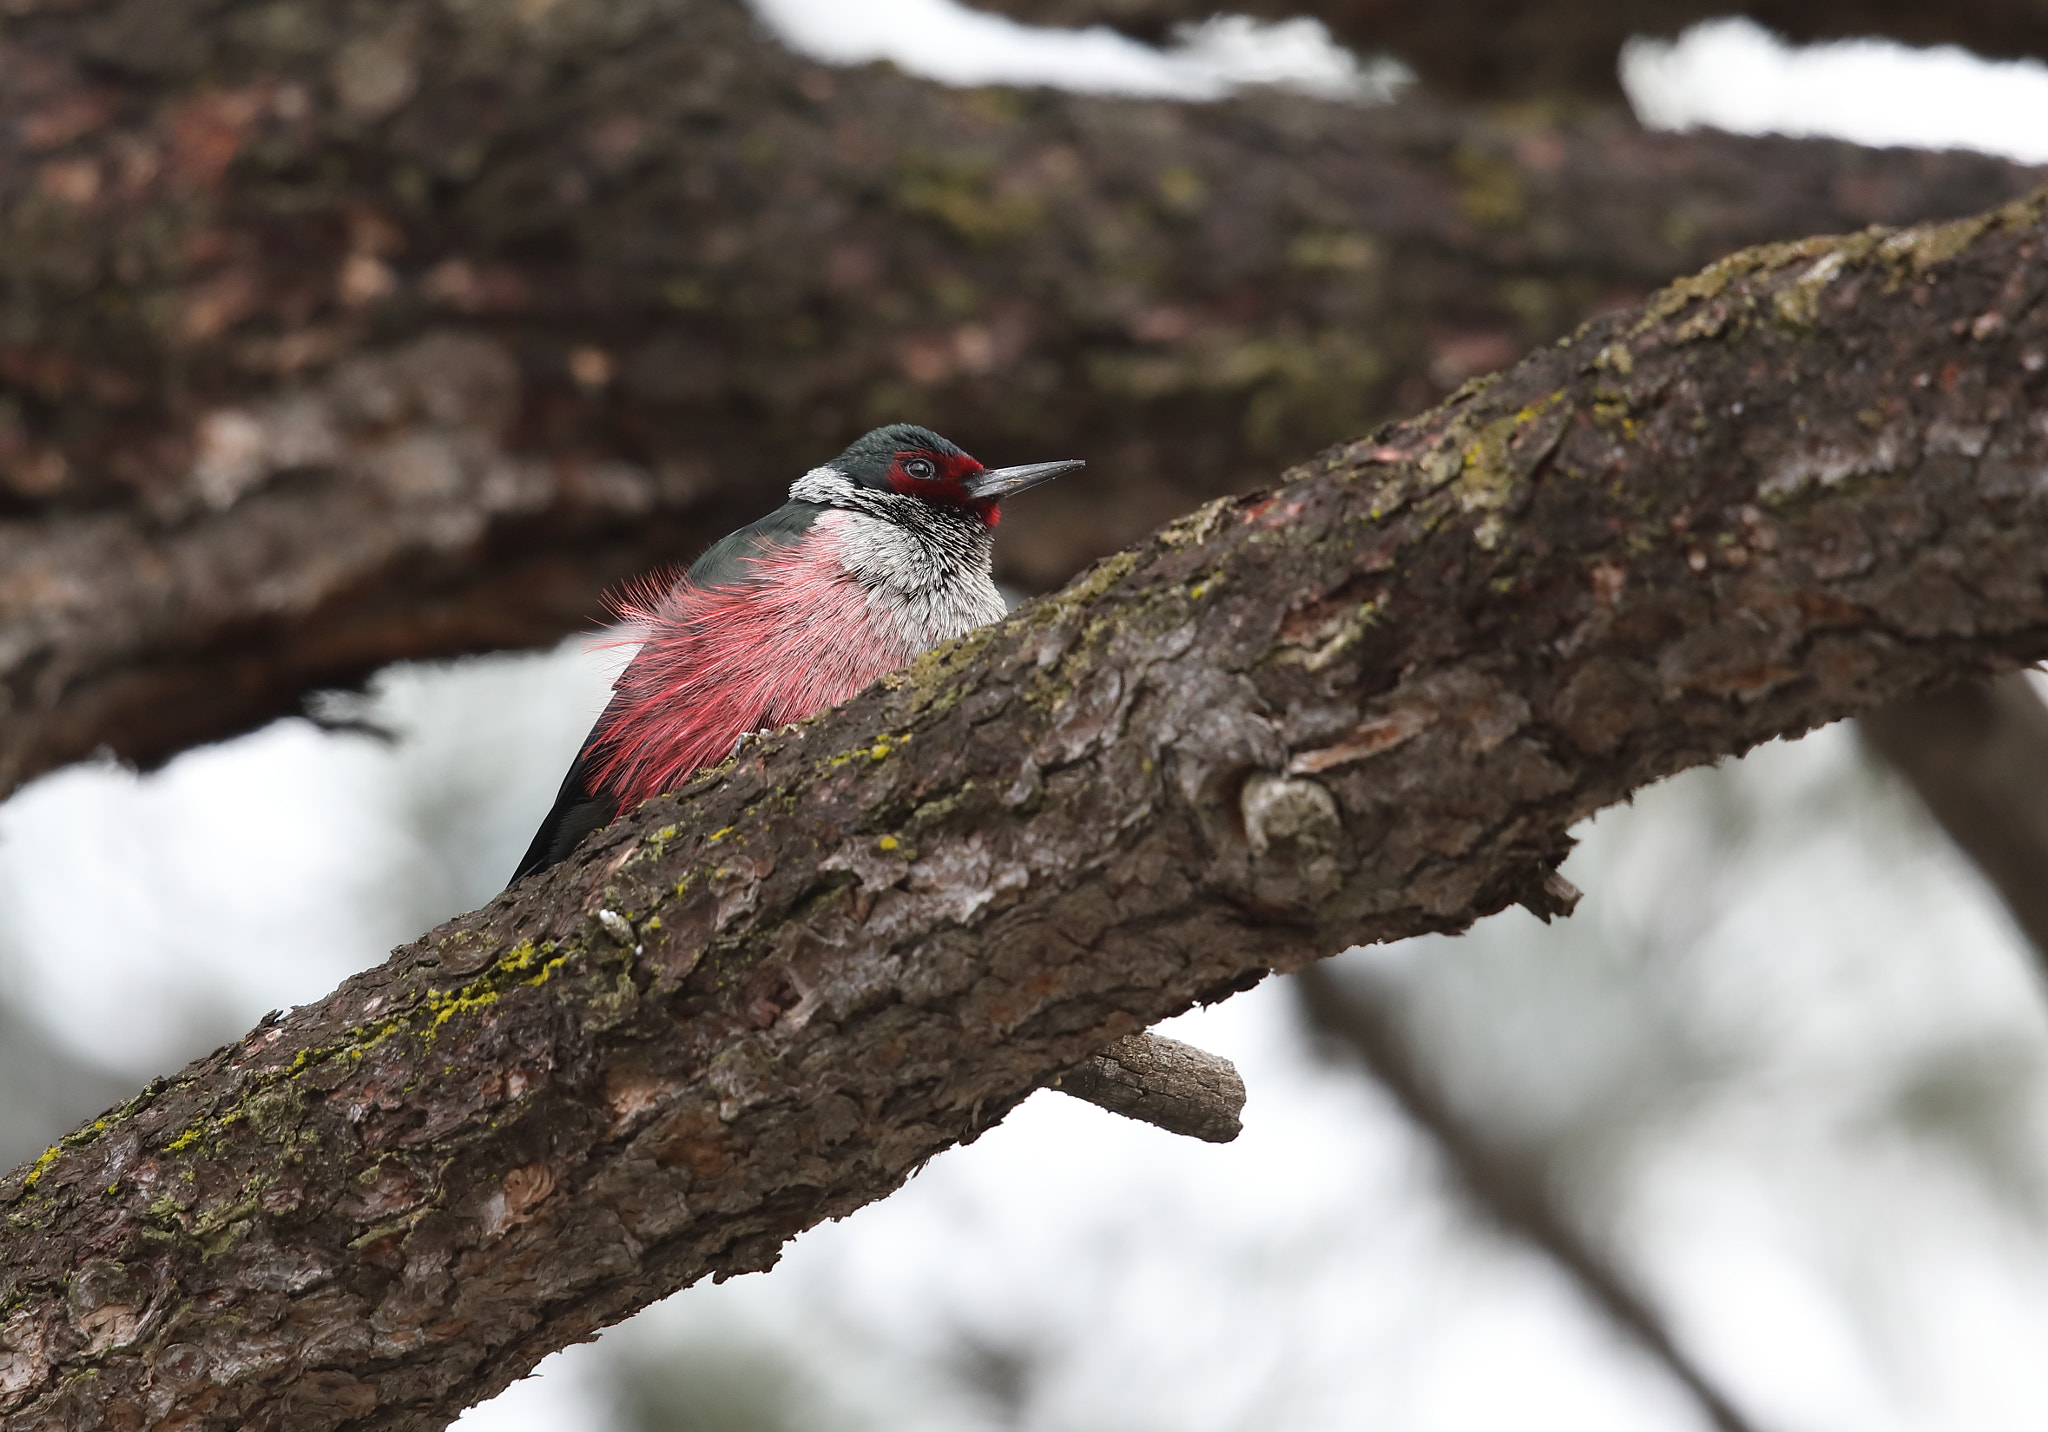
{"type": "Point", "coordinates": [1509, 1188]}
{"type": "Point", "coordinates": [401, 329]}
{"type": "Point", "coordinates": [1364, 706]}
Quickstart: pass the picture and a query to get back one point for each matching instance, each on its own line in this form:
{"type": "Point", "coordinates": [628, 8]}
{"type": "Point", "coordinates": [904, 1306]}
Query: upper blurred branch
{"type": "Point", "coordinates": [1532, 49]}
{"type": "Point", "coordinates": [333, 335]}
{"type": "Point", "coordinates": [1367, 705]}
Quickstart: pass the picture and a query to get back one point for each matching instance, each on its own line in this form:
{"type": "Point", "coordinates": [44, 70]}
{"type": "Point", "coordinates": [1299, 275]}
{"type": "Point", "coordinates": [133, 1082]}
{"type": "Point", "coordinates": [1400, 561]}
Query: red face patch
{"type": "Point", "coordinates": [940, 477]}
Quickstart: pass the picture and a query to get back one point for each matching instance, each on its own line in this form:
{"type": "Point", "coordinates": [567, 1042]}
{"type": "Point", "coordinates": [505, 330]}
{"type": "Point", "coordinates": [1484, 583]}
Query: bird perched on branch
{"type": "Point", "coordinates": [879, 555]}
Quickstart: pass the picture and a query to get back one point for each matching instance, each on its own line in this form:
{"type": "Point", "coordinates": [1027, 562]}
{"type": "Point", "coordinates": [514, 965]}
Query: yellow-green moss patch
{"type": "Point", "coordinates": [43, 1161]}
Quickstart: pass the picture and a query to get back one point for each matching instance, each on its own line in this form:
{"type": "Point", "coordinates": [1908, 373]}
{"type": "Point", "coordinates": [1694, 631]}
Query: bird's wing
{"type": "Point", "coordinates": [733, 560]}
{"type": "Point", "coordinates": [582, 805]}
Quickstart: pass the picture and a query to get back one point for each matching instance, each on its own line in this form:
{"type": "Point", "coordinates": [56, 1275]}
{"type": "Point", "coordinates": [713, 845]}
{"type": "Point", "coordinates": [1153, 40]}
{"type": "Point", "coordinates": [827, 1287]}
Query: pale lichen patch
{"type": "Point", "coordinates": [1930, 245]}
{"type": "Point", "coordinates": [1798, 303]}
{"type": "Point", "coordinates": [1714, 280]}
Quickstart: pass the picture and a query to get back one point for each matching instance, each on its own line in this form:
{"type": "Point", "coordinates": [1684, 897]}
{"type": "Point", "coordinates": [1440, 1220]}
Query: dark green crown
{"type": "Point", "coordinates": [866, 460]}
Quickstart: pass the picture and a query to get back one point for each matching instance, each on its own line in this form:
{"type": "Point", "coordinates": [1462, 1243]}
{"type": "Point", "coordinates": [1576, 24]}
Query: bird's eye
{"type": "Point", "coordinates": [921, 469]}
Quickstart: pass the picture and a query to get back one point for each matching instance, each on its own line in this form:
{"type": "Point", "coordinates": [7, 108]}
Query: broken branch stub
{"type": "Point", "coordinates": [1162, 1082]}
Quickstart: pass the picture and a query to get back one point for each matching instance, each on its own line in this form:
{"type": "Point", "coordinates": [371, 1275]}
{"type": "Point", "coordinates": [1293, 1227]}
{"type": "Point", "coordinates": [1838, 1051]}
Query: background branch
{"type": "Point", "coordinates": [401, 329]}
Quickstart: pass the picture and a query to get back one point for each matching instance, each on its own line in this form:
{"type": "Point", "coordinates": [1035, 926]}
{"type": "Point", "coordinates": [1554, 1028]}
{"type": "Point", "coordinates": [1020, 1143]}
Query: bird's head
{"type": "Point", "coordinates": [916, 462]}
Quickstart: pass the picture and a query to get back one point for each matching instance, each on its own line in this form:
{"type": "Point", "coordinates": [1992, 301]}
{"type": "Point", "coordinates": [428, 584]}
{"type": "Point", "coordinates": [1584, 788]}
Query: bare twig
{"type": "Point", "coordinates": [1977, 756]}
{"type": "Point", "coordinates": [1509, 1187]}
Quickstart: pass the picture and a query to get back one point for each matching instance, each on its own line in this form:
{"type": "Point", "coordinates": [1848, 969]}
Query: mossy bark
{"type": "Point", "coordinates": [334, 334]}
{"type": "Point", "coordinates": [1364, 705]}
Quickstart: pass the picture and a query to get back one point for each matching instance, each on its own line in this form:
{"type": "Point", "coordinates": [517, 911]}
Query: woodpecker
{"type": "Point", "coordinates": [879, 555]}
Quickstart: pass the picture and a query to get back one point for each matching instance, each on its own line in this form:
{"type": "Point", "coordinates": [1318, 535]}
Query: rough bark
{"type": "Point", "coordinates": [1363, 706]}
{"type": "Point", "coordinates": [1977, 756]}
{"type": "Point", "coordinates": [332, 335]}
{"type": "Point", "coordinates": [1536, 49]}
{"type": "Point", "coordinates": [1510, 1187]}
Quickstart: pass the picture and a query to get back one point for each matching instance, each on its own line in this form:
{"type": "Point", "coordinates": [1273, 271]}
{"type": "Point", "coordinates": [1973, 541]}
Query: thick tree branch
{"type": "Point", "coordinates": [333, 335]}
{"type": "Point", "coordinates": [1509, 1187]}
{"type": "Point", "coordinates": [1367, 705]}
{"type": "Point", "coordinates": [1526, 49]}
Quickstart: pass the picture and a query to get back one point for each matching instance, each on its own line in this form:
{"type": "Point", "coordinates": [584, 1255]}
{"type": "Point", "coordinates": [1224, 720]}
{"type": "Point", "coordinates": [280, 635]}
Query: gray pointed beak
{"type": "Point", "coordinates": [1008, 481]}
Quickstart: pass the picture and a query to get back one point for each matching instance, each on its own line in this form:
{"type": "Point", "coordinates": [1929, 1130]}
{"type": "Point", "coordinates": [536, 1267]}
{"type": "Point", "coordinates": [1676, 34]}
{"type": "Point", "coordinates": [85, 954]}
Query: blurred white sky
{"type": "Point", "coordinates": [1727, 74]}
{"type": "Point", "coordinates": [1734, 75]}
{"type": "Point", "coordinates": [357, 846]}
{"type": "Point", "coordinates": [1314, 1260]}
{"type": "Point", "coordinates": [955, 45]}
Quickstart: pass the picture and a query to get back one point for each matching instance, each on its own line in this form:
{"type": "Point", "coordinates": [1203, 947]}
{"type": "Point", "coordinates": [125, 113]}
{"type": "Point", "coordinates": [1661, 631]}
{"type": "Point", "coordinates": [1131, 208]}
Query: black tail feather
{"type": "Point", "coordinates": [578, 810]}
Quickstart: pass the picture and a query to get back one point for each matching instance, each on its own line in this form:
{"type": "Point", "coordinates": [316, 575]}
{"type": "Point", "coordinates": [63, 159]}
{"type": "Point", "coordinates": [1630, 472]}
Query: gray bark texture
{"type": "Point", "coordinates": [338, 334]}
{"type": "Point", "coordinates": [1366, 704]}
{"type": "Point", "coordinates": [1547, 49]}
